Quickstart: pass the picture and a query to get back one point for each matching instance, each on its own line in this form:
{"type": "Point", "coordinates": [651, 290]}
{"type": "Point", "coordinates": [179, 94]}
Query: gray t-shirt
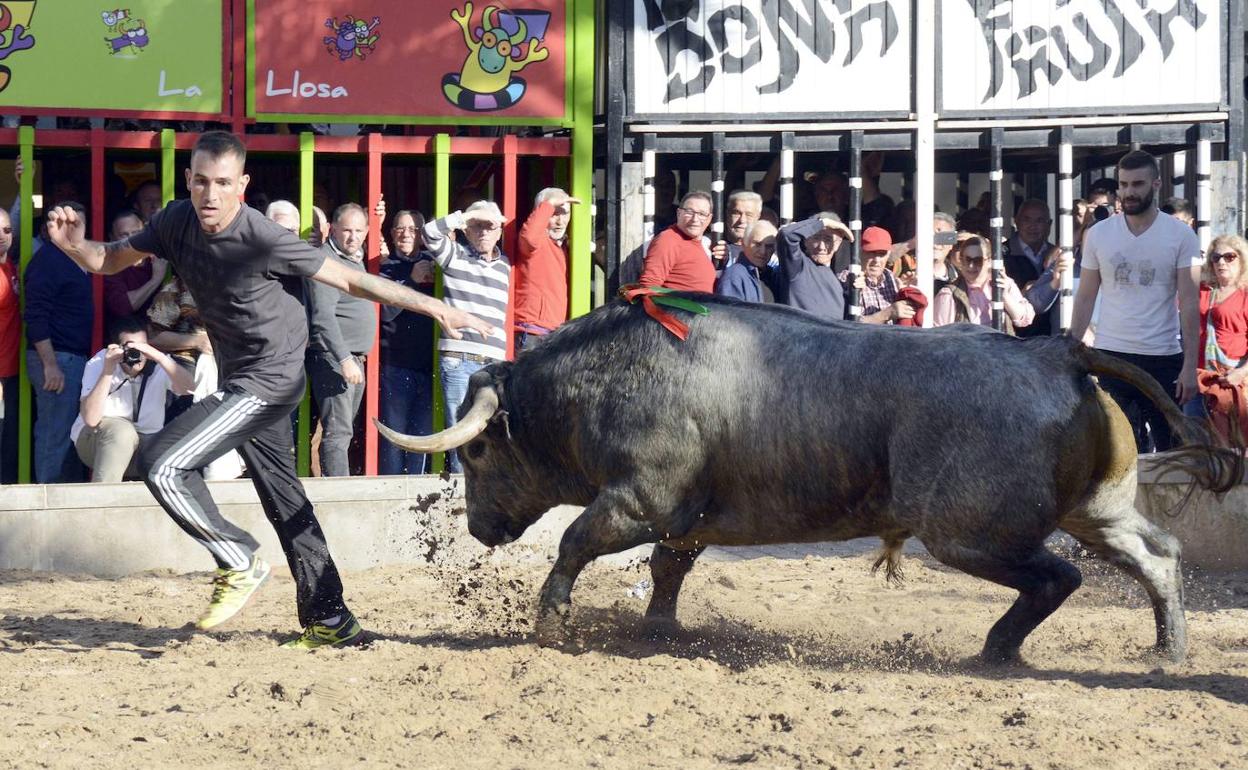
{"type": "Point", "coordinates": [246, 281]}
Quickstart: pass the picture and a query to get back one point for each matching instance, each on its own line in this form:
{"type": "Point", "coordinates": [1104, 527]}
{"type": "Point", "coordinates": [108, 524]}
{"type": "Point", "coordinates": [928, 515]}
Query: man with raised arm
{"type": "Point", "coordinates": [245, 273]}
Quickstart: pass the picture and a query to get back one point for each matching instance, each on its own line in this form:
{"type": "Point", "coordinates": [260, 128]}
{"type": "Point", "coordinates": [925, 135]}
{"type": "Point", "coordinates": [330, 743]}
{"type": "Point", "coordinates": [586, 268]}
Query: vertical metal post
{"type": "Point", "coordinates": [1204, 184]}
{"type": "Point", "coordinates": [441, 207]}
{"type": "Point", "coordinates": [372, 374]}
{"type": "Point", "coordinates": [996, 224]}
{"type": "Point", "coordinates": [647, 186]}
{"type": "Point", "coordinates": [581, 233]}
{"type": "Point", "coordinates": [511, 236]}
{"type": "Point", "coordinates": [855, 223]}
{"type": "Point", "coordinates": [717, 189]}
{"type": "Point", "coordinates": [168, 164]}
{"type": "Point", "coordinates": [925, 148]}
{"type": "Point", "coordinates": [96, 220]}
{"type": "Point", "coordinates": [617, 21]}
{"type": "Point", "coordinates": [786, 177]}
{"type": "Point", "coordinates": [303, 436]}
{"type": "Point", "coordinates": [1066, 221]}
{"type": "Point", "coordinates": [26, 191]}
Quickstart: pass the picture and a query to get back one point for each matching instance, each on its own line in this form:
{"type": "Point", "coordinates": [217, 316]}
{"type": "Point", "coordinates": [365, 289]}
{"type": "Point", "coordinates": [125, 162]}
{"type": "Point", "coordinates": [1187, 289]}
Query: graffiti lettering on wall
{"type": "Point", "coordinates": [1051, 52]}
{"type": "Point", "coordinates": [790, 27]}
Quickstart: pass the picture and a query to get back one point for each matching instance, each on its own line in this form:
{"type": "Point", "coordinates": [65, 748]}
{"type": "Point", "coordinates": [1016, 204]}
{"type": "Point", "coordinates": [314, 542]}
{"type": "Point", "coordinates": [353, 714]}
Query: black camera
{"type": "Point", "coordinates": [131, 356]}
{"type": "Point", "coordinates": [1102, 212]}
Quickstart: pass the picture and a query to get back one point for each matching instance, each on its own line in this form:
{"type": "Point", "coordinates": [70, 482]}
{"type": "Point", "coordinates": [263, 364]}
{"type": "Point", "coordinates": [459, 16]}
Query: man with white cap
{"type": "Point", "coordinates": [806, 250]}
{"type": "Point", "coordinates": [476, 279]}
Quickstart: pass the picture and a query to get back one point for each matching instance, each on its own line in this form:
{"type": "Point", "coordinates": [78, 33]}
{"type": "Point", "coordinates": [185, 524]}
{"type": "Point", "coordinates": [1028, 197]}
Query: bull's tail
{"type": "Point", "coordinates": [1203, 456]}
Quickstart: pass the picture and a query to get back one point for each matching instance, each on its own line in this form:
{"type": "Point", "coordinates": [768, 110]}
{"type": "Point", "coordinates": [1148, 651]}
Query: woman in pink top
{"type": "Point", "coordinates": [969, 298]}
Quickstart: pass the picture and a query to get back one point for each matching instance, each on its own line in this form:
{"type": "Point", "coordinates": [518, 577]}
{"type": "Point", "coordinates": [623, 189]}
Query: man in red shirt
{"type": "Point", "coordinates": [10, 341]}
{"type": "Point", "coordinates": [677, 258]}
{"type": "Point", "coordinates": [541, 268]}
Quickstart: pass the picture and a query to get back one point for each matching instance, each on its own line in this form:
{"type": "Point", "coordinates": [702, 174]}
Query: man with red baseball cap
{"type": "Point", "coordinates": [878, 288]}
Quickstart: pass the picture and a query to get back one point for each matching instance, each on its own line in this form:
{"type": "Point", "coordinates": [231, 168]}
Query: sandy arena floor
{"type": "Point", "coordinates": [783, 663]}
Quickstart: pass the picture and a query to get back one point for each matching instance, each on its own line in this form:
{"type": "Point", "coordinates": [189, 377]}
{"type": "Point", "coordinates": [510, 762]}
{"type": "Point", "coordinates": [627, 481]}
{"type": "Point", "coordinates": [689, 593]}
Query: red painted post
{"type": "Point", "coordinates": [372, 366]}
{"type": "Point", "coordinates": [511, 235]}
{"type": "Point", "coordinates": [97, 232]}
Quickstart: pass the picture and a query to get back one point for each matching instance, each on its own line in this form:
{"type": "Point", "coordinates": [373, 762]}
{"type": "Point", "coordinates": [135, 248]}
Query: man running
{"type": "Point", "coordinates": [245, 274]}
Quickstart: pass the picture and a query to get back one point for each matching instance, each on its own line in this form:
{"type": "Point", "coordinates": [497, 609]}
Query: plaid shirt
{"type": "Point", "coordinates": [875, 298]}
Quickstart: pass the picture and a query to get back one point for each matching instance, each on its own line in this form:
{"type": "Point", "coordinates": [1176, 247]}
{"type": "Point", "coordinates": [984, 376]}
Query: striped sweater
{"type": "Point", "coordinates": [471, 284]}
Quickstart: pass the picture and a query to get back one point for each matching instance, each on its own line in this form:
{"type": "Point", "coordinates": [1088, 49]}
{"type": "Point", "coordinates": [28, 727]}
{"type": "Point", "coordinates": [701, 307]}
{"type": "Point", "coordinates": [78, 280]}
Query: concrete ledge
{"type": "Point", "coordinates": [118, 529]}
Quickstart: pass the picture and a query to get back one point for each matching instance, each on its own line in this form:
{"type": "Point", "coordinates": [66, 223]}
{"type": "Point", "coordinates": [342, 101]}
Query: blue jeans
{"type": "Point", "coordinates": [455, 375]}
{"type": "Point", "coordinates": [56, 415]}
{"type": "Point", "coordinates": [406, 406]}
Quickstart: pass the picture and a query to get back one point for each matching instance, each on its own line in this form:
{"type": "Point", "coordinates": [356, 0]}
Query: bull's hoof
{"type": "Point", "coordinates": [1001, 656]}
{"type": "Point", "coordinates": [1170, 653]}
{"type": "Point", "coordinates": [551, 628]}
{"type": "Point", "coordinates": [659, 628]}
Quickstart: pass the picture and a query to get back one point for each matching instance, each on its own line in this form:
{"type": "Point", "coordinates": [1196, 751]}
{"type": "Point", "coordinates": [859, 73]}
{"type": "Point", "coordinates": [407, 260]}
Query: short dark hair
{"type": "Point", "coordinates": [216, 144]}
{"type": "Point", "coordinates": [120, 215]}
{"type": "Point", "coordinates": [1177, 206]}
{"type": "Point", "coordinates": [1103, 185]}
{"type": "Point", "coordinates": [698, 194]}
{"type": "Point", "coordinates": [126, 324]}
{"type": "Point", "coordinates": [416, 216]}
{"type": "Point", "coordinates": [1138, 159]}
{"type": "Point", "coordinates": [347, 208]}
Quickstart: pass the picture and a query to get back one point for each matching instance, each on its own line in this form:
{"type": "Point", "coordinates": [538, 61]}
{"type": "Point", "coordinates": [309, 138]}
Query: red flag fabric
{"type": "Point", "coordinates": [916, 298]}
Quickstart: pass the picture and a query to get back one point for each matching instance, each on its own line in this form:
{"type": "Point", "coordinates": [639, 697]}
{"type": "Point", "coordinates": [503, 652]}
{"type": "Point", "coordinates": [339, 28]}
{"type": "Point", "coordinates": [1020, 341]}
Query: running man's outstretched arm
{"type": "Point", "coordinates": [69, 232]}
{"type": "Point", "coordinates": [387, 292]}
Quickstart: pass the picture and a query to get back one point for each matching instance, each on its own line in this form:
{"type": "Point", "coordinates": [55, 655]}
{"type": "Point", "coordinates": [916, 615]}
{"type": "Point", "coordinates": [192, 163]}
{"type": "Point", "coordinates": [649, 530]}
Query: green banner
{"type": "Point", "coordinates": [150, 56]}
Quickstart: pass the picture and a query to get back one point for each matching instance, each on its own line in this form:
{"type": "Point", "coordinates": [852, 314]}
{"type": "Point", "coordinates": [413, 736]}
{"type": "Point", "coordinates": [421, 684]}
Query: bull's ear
{"type": "Point", "coordinates": [501, 372]}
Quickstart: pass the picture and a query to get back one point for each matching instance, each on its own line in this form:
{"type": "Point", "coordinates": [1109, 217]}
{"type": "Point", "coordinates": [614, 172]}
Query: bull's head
{"type": "Point", "coordinates": [502, 490]}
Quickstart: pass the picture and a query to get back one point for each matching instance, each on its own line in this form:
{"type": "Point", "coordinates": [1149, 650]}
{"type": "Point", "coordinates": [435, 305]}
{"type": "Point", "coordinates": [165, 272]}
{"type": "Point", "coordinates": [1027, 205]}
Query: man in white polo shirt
{"type": "Point", "coordinates": [123, 401]}
{"type": "Point", "coordinates": [1141, 261]}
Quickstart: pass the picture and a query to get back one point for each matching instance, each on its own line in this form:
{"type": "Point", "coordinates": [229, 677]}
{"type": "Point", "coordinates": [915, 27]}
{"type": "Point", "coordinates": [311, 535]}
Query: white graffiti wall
{"type": "Point", "coordinates": [1088, 56]}
{"type": "Point", "coordinates": [769, 58]}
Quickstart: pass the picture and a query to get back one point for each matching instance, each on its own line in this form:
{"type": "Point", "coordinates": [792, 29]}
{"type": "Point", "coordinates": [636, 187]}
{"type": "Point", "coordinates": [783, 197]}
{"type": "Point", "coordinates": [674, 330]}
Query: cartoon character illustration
{"type": "Point", "coordinates": [15, 18]}
{"type": "Point", "coordinates": [352, 37]}
{"type": "Point", "coordinates": [131, 37]}
{"type": "Point", "coordinates": [497, 50]}
{"type": "Point", "coordinates": [113, 18]}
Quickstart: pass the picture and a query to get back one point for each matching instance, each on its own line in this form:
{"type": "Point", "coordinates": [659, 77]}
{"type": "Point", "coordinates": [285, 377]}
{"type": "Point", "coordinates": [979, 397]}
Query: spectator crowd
{"type": "Point", "coordinates": [1145, 293]}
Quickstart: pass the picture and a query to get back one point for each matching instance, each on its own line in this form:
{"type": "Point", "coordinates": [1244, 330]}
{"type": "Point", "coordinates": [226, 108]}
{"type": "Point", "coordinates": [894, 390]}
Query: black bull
{"type": "Point", "coordinates": [769, 426]}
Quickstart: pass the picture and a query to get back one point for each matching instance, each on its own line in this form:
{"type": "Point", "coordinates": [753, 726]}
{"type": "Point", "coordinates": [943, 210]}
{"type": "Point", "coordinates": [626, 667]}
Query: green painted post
{"type": "Point", "coordinates": [441, 207]}
{"type": "Point", "coordinates": [26, 190]}
{"type": "Point", "coordinates": [582, 93]}
{"type": "Point", "coordinates": [168, 164]}
{"type": "Point", "coordinates": [307, 152]}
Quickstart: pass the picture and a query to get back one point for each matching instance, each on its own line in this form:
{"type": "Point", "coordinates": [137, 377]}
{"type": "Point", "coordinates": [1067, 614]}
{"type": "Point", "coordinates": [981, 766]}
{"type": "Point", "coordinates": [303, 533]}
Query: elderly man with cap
{"type": "Point", "coordinates": [476, 279]}
{"type": "Point", "coordinates": [746, 278]}
{"type": "Point", "coordinates": [806, 249]}
{"type": "Point", "coordinates": [879, 288]}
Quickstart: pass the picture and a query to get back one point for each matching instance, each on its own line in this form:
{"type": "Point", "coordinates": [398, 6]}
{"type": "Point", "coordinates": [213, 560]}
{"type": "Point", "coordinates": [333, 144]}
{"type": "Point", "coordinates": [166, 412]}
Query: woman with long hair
{"type": "Point", "coordinates": [969, 298]}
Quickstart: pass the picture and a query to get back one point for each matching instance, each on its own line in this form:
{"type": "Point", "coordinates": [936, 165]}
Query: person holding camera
{"type": "Point", "coordinates": [123, 401]}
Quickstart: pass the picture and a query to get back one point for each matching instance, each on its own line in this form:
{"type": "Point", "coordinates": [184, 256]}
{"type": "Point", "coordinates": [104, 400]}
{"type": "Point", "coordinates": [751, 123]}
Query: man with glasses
{"type": "Point", "coordinates": [476, 279]}
{"type": "Point", "coordinates": [746, 278]}
{"type": "Point", "coordinates": [878, 287]}
{"type": "Point", "coordinates": [806, 250]}
{"type": "Point", "coordinates": [1141, 263]}
{"type": "Point", "coordinates": [678, 257]}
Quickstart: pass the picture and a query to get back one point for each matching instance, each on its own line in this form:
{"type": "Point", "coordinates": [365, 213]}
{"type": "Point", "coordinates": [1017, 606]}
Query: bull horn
{"type": "Point", "coordinates": [483, 407]}
{"type": "Point", "coordinates": [521, 30]}
{"type": "Point", "coordinates": [487, 18]}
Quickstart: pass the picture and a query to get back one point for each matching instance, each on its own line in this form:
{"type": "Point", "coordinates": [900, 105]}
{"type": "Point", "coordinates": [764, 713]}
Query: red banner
{"type": "Point", "coordinates": [407, 59]}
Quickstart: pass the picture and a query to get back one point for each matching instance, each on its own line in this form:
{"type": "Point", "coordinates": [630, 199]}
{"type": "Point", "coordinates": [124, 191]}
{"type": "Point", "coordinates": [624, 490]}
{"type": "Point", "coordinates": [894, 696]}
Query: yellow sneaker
{"type": "Point", "coordinates": [230, 591]}
{"type": "Point", "coordinates": [345, 633]}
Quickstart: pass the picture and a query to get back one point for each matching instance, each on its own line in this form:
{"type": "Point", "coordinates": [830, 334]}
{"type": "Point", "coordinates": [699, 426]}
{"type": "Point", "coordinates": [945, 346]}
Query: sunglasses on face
{"type": "Point", "coordinates": [1228, 257]}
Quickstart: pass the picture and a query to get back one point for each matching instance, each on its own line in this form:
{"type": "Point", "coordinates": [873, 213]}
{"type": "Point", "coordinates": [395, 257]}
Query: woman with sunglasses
{"type": "Point", "coordinates": [1223, 313]}
{"type": "Point", "coordinates": [969, 298]}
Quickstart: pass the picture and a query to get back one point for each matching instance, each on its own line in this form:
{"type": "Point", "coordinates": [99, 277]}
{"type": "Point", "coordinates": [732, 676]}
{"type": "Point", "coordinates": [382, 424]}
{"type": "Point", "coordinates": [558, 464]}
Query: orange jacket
{"type": "Point", "coordinates": [541, 273]}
